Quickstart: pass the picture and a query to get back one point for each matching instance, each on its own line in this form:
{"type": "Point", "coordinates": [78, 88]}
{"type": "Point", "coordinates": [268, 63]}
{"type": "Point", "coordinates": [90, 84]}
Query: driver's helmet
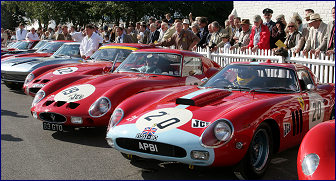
{"type": "Point", "coordinates": [246, 75]}
{"type": "Point", "coordinates": [152, 59]}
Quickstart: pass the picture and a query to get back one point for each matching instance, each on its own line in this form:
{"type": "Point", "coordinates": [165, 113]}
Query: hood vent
{"type": "Point", "coordinates": [204, 98]}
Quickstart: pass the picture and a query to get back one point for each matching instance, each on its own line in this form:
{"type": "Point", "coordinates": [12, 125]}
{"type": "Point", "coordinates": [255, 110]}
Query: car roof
{"type": "Point", "coordinates": [63, 41]}
{"type": "Point", "coordinates": [165, 50]}
{"type": "Point", "coordinates": [285, 65]}
{"type": "Point", "coordinates": [72, 43]}
{"type": "Point", "coordinates": [134, 45]}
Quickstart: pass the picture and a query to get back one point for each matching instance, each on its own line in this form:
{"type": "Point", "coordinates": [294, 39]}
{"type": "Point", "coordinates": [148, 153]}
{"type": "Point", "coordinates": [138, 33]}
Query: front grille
{"type": "Point", "coordinates": [13, 77]}
{"type": "Point", "coordinates": [52, 117]}
{"type": "Point", "coordinates": [70, 105]}
{"type": "Point", "coordinates": [34, 90]}
{"type": "Point", "coordinates": [155, 148]}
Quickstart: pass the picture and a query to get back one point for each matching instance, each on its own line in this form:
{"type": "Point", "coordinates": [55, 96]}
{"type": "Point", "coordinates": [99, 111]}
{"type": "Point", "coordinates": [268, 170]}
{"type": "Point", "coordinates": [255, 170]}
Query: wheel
{"type": "Point", "coordinates": [13, 85]}
{"type": "Point", "coordinates": [258, 156]}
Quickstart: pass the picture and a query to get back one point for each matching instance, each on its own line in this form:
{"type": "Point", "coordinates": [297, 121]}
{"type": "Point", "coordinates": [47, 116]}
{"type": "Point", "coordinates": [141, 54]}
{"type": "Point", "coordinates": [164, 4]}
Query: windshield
{"type": "Point", "coordinates": [24, 45]}
{"type": "Point", "coordinates": [111, 54]}
{"type": "Point", "coordinates": [68, 50]}
{"type": "Point", "coordinates": [255, 77]}
{"type": "Point", "coordinates": [40, 44]}
{"type": "Point", "coordinates": [153, 63]}
{"type": "Point", "coordinates": [50, 47]}
{"type": "Point", "coordinates": [14, 44]}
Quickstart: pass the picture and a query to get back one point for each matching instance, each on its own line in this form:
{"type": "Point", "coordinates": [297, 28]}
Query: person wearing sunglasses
{"type": "Point", "coordinates": [294, 39]}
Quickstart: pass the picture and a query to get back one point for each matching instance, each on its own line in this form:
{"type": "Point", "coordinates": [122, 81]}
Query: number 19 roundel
{"type": "Point", "coordinates": [164, 119]}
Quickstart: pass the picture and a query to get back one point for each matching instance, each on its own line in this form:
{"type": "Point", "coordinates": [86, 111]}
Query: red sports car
{"type": "Point", "coordinates": [239, 117]}
{"type": "Point", "coordinates": [48, 49]}
{"type": "Point", "coordinates": [316, 157]}
{"type": "Point", "coordinates": [100, 62]}
{"type": "Point", "coordinates": [20, 46]}
{"type": "Point", "coordinates": [89, 102]}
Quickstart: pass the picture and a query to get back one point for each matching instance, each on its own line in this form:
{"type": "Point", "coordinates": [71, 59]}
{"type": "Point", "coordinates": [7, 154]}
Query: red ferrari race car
{"type": "Point", "coordinates": [24, 45]}
{"type": "Point", "coordinates": [100, 62]}
{"type": "Point", "coordinates": [89, 102]}
{"type": "Point", "coordinates": [316, 157]}
{"type": "Point", "coordinates": [239, 117]}
{"type": "Point", "coordinates": [48, 49]}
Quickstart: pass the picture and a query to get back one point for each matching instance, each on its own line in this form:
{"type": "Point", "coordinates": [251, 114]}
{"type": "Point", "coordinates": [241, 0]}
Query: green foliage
{"type": "Point", "coordinates": [83, 12]}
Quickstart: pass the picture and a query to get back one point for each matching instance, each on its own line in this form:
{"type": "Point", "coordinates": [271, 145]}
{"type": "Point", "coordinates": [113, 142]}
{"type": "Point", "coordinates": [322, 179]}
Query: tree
{"type": "Point", "coordinates": [11, 15]}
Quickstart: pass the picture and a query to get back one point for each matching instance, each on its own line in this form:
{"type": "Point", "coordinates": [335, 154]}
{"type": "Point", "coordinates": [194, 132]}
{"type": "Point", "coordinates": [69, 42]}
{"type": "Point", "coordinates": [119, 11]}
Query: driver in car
{"type": "Point", "coordinates": [247, 77]}
{"type": "Point", "coordinates": [151, 65]}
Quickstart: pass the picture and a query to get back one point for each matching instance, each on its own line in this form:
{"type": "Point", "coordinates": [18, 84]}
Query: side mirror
{"type": "Point", "coordinates": [204, 80]}
{"type": "Point", "coordinates": [210, 72]}
{"type": "Point", "coordinates": [310, 87]}
{"type": "Point", "coordinates": [106, 69]}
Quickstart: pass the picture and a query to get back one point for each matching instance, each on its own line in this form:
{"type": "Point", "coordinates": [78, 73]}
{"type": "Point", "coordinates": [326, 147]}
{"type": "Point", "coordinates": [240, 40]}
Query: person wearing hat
{"type": "Point", "coordinates": [260, 36]}
{"type": "Point", "coordinates": [244, 36]}
{"type": "Point", "coordinates": [278, 33]}
{"type": "Point", "coordinates": [318, 30]}
{"type": "Point", "coordinates": [330, 35]}
{"type": "Point", "coordinates": [186, 24]}
{"type": "Point", "coordinates": [226, 41]}
{"type": "Point", "coordinates": [281, 18]}
{"type": "Point", "coordinates": [308, 12]}
{"type": "Point", "coordinates": [268, 18]}
{"type": "Point", "coordinates": [21, 33]}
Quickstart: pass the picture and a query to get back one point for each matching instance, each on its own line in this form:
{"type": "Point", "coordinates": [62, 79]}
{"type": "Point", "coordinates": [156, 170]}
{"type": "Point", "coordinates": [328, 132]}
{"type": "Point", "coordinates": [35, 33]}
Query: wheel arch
{"type": "Point", "coordinates": [275, 133]}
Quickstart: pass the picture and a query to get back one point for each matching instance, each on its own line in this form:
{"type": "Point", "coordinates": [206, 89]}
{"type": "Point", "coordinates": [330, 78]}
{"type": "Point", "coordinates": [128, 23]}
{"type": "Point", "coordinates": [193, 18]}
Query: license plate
{"type": "Point", "coordinates": [38, 85]}
{"type": "Point", "coordinates": [52, 126]}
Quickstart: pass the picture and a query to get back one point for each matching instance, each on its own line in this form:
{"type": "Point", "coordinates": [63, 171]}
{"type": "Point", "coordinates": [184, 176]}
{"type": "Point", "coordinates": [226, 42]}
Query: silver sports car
{"type": "Point", "coordinates": [14, 71]}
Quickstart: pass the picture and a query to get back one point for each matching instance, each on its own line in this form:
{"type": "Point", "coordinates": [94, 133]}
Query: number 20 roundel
{"type": "Point", "coordinates": [164, 119]}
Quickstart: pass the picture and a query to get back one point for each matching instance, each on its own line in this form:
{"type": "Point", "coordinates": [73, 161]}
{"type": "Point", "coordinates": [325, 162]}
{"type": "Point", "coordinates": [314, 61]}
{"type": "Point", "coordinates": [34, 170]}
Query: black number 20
{"type": "Point", "coordinates": [165, 123]}
{"type": "Point", "coordinates": [317, 111]}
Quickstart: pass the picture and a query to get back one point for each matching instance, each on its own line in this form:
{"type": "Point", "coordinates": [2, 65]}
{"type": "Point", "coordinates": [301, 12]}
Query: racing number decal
{"type": "Point", "coordinates": [316, 109]}
{"type": "Point", "coordinates": [164, 119]}
{"type": "Point", "coordinates": [148, 118]}
{"type": "Point", "coordinates": [66, 70]}
{"type": "Point", "coordinates": [75, 93]}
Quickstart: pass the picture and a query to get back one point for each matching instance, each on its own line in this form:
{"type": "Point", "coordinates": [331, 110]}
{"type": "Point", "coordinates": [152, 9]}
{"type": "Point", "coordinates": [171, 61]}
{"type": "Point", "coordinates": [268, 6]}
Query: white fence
{"type": "Point", "coordinates": [323, 66]}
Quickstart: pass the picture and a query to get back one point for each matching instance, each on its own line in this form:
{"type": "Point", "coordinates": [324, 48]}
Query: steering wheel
{"type": "Point", "coordinates": [135, 69]}
{"type": "Point", "coordinates": [223, 81]}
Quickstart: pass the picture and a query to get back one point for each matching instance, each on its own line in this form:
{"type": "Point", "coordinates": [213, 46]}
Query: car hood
{"type": "Point", "coordinates": [113, 85]}
{"type": "Point", "coordinates": [196, 108]}
{"type": "Point", "coordinates": [30, 63]}
{"type": "Point", "coordinates": [26, 55]}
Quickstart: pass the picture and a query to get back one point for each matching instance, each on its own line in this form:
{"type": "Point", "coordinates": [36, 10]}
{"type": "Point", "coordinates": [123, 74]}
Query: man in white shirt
{"type": "Point", "coordinates": [21, 33]}
{"type": "Point", "coordinates": [163, 29]}
{"type": "Point", "coordinates": [90, 42]}
{"type": "Point", "coordinates": [32, 35]}
{"type": "Point", "coordinates": [76, 36]}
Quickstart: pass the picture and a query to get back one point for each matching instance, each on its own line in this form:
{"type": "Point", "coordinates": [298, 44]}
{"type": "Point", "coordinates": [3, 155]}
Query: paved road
{"type": "Point", "coordinates": [28, 152]}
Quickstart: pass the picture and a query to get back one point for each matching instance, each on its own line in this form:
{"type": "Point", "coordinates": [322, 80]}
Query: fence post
{"type": "Point", "coordinates": [208, 53]}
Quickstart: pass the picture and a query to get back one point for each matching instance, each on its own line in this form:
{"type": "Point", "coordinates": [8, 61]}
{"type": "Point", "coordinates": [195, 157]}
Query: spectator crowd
{"type": "Point", "coordinates": [312, 36]}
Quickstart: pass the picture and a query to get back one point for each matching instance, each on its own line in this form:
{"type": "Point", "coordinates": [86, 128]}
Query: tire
{"type": "Point", "coordinates": [258, 156]}
{"type": "Point", "coordinates": [13, 85]}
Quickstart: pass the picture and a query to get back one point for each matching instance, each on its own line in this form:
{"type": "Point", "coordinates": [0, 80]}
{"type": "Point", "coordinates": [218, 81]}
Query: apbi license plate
{"type": "Point", "coordinates": [52, 126]}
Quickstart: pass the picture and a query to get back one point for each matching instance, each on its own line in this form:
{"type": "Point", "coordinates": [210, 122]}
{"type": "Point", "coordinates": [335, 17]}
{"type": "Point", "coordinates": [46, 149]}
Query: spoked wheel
{"type": "Point", "coordinates": [258, 156]}
{"type": "Point", "coordinates": [260, 149]}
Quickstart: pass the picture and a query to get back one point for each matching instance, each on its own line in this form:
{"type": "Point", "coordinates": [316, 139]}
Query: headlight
{"type": "Point", "coordinates": [310, 163]}
{"type": "Point", "coordinates": [222, 131]}
{"type": "Point", "coordinates": [117, 115]}
{"type": "Point", "coordinates": [29, 78]}
{"type": "Point", "coordinates": [100, 107]}
{"type": "Point", "coordinates": [217, 134]}
{"type": "Point", "coordinates": [38, 97]}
